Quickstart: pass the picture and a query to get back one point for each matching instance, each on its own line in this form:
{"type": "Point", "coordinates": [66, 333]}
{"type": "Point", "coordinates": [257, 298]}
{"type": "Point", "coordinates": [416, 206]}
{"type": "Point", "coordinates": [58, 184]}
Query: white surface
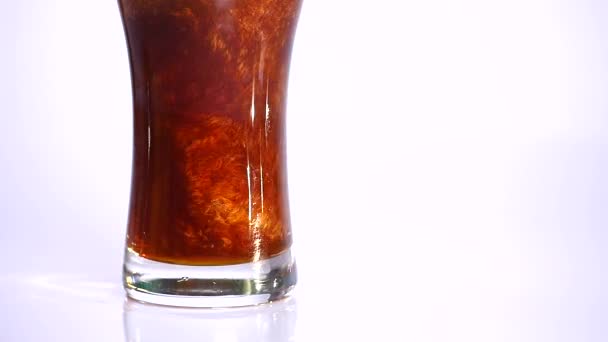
{"type": "Point", "coordinates": [448, 164]}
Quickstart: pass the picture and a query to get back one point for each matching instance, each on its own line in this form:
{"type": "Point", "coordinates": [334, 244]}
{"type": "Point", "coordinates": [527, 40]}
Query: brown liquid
{"type": "Point", "coordinates": [209, 80]}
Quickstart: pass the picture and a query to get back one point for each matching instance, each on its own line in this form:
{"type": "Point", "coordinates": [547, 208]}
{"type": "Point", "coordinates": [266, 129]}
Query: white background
{"type": "Point", "coordinates": [448, 175]}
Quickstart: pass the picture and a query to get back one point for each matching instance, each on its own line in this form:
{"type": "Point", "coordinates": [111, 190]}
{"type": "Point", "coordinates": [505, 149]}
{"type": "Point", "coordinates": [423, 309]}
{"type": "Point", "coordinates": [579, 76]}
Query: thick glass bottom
{"type": "Point", "coordinates": [209, 286]}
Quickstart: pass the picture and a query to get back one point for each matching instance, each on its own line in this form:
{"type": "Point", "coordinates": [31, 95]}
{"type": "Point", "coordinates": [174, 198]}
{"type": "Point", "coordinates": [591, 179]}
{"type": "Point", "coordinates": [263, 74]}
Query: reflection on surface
{"type": "Point", "coordinates": [62, 287]}
{"type": "Point", "coordinates": [267, 323]}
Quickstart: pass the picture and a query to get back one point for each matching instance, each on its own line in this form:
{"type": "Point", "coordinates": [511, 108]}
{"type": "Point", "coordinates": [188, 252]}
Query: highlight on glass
{"type": "Point", "coordinates": [209, 221]}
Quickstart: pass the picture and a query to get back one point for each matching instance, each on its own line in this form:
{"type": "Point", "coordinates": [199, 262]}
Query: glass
{"type": "Point", "coordinates": [209, 221]}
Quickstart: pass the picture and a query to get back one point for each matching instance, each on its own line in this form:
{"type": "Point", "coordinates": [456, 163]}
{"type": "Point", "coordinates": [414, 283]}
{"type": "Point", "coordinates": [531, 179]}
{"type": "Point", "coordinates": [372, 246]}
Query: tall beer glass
{"type": "Point", "coordinates": [209, 221]}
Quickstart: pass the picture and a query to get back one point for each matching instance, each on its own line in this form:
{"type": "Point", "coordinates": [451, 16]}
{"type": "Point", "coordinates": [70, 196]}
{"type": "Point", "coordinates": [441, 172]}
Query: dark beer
{"type": "Point", "coordinates": [209, 79]}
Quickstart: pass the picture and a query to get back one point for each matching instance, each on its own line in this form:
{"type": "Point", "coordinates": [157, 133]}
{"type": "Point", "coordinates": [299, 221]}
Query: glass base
{"type": "Point", "coordinates": [209, 286]}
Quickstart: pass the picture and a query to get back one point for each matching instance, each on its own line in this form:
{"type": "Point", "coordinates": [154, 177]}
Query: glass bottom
{"type": "Point", "coordinates": [209, 286]}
